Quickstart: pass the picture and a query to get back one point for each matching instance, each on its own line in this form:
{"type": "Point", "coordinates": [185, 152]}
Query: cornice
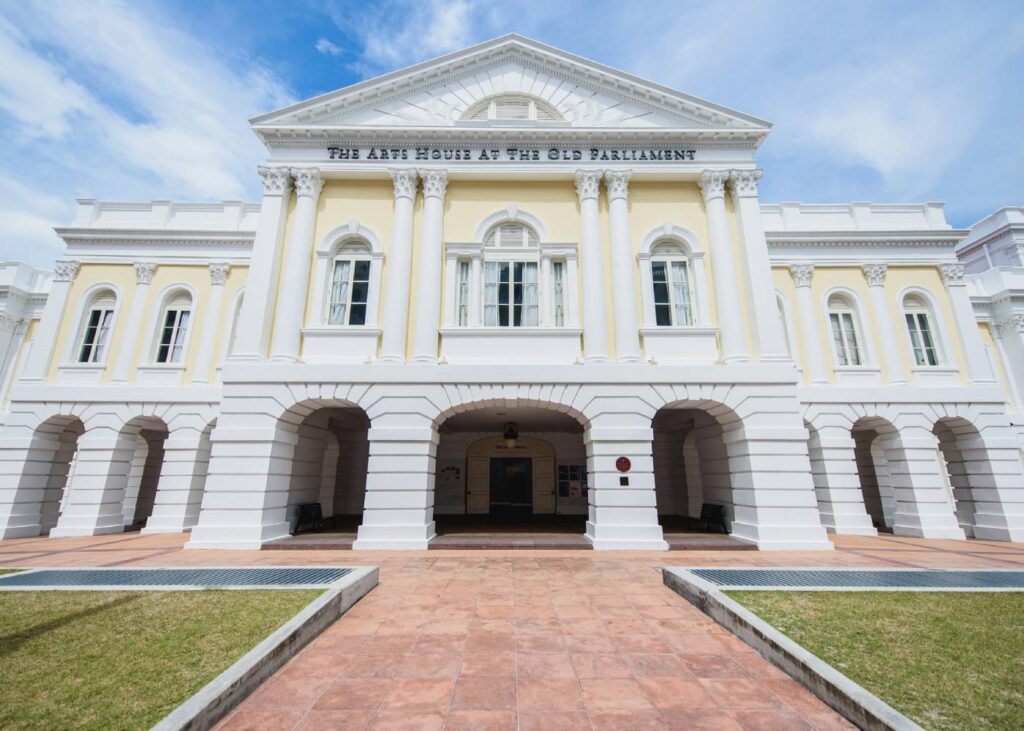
{"type": "Point", "coordinates": [948, 237]}
{"type": "Point", "coordinates": [150, 237]}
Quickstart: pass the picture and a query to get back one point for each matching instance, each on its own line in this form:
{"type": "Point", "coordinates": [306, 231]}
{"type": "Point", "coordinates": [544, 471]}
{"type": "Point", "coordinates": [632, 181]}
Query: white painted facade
{"type": "Point", "coordinates": [811, 368]}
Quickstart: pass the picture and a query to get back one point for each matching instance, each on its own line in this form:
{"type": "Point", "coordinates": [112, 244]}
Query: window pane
{"type": "Point", "coordinates": [360, 292]}
{"type": "Point", "coordinates": [490, 293]}
{"type": "Point", "coordinates": [357, 315]}
{"type": "Point", "coordinates": [89, 338]}
{"type": "Point", "coordinates": [529, 298]}
{"type": "Point", "coordinates": [663, 315]}
{"type": "Point", "coordinates": [362, 271]}
{"type": "Point", "coordinates": [557, 294]}
{"type": "Point", "coordinates": [102, 336]}
{"type": "Point", "coordinates": [681, 293]}
{"type": "Point", "coordinates": [463, 293]}
{"type": "Point", "coordinates": [837, 338]}
{"type": "Point", "coordinates": [661, 293]}
{"type": "Point", "coordinates": [339, 293]}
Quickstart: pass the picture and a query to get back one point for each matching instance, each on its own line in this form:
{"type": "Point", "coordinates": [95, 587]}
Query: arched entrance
{"type": "Point", "coordinates": [873, 436]}
{"type": "Point", "coordinates": [54, 449]}
{"type": "Point", "coordinates": [510, 471]}
{"type": "Point", "coordinates": [144, 470]}
{"type": "Point", "coordinates": [964, 467]}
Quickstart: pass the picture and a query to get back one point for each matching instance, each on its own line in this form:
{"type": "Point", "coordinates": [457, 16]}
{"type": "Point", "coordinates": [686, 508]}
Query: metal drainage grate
{"type": "Point", "coordinates": [863, 578]}
{"type": "Point", "coordinates": [186, 577]}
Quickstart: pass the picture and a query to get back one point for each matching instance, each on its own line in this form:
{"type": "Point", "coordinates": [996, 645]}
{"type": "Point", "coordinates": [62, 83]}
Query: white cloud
{"type": "Point", "coordinates": [328, 48]}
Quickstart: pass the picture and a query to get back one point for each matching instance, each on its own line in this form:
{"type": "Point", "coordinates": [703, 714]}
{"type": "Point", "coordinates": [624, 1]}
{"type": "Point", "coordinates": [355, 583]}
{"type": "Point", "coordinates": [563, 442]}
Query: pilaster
{"type": "Point", "coordinates": [595, 330]}
{"type": "Point", "coordinates": [428, 286]}
{"type": "Point", "coordinates": [144, 271]}
{"type": "Point", "coordinates": [875, 275]}
{"type": "Point", "coordinates": [979, 369]}
{"type": "Point", "coordinates": [207, 340]}
{"type": "Point", "coordinates": [627, 331]}
{"type": "Point", "coordinates": [803, 275]}
{"type": "Point", "coordinates": [38, 363]}
{"type": "Point", "coordinates": [396, 302]}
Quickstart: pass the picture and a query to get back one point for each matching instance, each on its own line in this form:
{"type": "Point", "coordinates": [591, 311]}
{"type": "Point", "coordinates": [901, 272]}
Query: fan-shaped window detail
{"type": "Point", "coordinates": [512, 109]}
{"type": "Point", "coordinates": [917, 315]}
{"type": "Point", "coordinates": [842, 316]}
{"type": "Point", "coordinates": [511, 236]}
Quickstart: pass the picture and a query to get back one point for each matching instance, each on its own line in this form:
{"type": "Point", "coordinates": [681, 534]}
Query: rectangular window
{"type": "Point", "coordinates": [97, 332]}
{"type": "Point", "coordinates": [925, 352]}
{"type": "Point", "coordinates": [463, 294]}
{"type": "Point", "coordinates": [844, 335]}
{"type": "Point", "coordinates": [172, 336]}
{"type": "Point", "coordinates": [671, 282]}
{"type": "Point", "coordinates": [350, 291]}
{"type": "Point", "coordinates": [558, 291]}
{"type": "Point", "coordinates": [510, 294]}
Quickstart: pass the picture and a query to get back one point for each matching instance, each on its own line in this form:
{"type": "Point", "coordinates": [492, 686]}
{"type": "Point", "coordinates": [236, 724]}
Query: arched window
{"type": "Point", "coordinates": [96, 328]}
{"type": "Point", "coordinates": [846, 340]}
{"type": "Point", "coordinates": [512, 108]}
{"type": "Point", "coordinates": [672, 283]}
{"type": "Point", "coordinates": [175, 321]}
{"type": "Point", "coordinates": [511, 259]}
{"type": "Point", "coordinates": [917, 315]}
{"type": "Point", "coordinates": [350, 285]}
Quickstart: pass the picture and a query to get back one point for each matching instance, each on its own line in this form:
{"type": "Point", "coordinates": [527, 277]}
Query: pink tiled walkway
{"type": "Point", "coordinates": [523, 639]}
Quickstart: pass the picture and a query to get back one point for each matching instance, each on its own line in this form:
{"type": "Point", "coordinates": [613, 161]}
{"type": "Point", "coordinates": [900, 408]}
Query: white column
{"type": "Point", "coordinates": [627, 330]}
{"type": "Point", "coordinates": [257, 315]}
{"type": "Point", "coordinates": [813, 349]}
{"type": "Point", "coordinates": [298, 258]}
{"type": "Point", "coordinates": [428, 283]}
{"type": "Point", "coordinates": [144, 271]}
{"type": "Point", "coordinates": [396, 304]}
{"type": "Point", "coordinates": [207, 339]}
{"type": "Point", "coordinates": [760, 283]}
{"type": "Point", "coordinates": [595, 329]}
{"type": "Point", "coordinates": [875, 274]}
{"type": "Point", "coordinates": [730, 317]}
{"type": "Point", "coordinates": [45, 340]}
{"type": "Point", "coordinates": [979, 369]}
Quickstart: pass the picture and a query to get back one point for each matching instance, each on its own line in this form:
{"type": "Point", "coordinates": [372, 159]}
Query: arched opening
{"type": "Point", "coordinates": [328, 461]}
{"type": "Point", "coordinates": [965, 467]}
{"type": "Point", "coordinates": [691, 469]}
{"type": "Point", "coordinates": [511, 470]}
{"type": "Point", "coordinates": [52, 456]}
{"type": "Point", "coordinates": [874, 439]}
{"type": "Point", "coordinates": [145, 464]}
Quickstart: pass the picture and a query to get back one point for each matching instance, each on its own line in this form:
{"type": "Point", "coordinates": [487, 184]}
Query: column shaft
{"type": "Point", "coordinates": [627, 332]}
{"type": "Point", "coordinates": [875, 274]}
{"type": "Point", "coordinates": [730, 316]}
{"type": "Point", "coordinates": [143, 276]}
{"type": "Point", "coordinates": [38, 363]}
{"type": "Point", "coordinates": [595, 330]}
{"type": "Point", "coordinates": [428, 284]}
{"type": "Point", "coordinates": [979, 370]}
{"type": "Point", "coordinates": [396, 303]}
{"type": "Point", "coordinates": [813, 349]}
{"type": "Point", "coordinates": [207, 339]}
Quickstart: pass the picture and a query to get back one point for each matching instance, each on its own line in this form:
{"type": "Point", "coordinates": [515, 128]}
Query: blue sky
{"type": "Point", "coordinates": [877, 101]}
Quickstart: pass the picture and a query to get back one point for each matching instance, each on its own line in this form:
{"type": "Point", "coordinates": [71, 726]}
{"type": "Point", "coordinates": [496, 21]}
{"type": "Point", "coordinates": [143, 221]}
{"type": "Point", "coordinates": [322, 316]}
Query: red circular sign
{"type": "Point", "coordinates": [622, 464]}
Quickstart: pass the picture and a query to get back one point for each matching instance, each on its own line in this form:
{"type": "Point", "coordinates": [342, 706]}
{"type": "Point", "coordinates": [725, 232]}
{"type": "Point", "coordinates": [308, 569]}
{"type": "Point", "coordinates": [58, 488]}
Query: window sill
{"type": "Point", "coordinates": [511, 345]}
{"type": "Point", "coordinates": [160, 374]}
{"type": "Point", "coordinates": [84, 373]}
{"type": "Point", "coordinates": [693, 344]}
{"type": "Point", "coordinates": [498, 331]}
{"type": "Point", "coordinates": [340, 343]}
{"type": "Point", "coordinates": [862, 375]}
{"type": "Point", "coordinates": [936, 375]}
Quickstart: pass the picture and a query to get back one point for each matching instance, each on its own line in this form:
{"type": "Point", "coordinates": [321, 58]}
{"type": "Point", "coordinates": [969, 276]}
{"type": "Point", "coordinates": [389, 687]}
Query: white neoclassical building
{"type": "Point", "coordinates": [510, 284]}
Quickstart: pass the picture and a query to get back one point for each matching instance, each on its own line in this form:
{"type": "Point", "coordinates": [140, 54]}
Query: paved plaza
{"type": "Point", "coordinates": [523, 639]}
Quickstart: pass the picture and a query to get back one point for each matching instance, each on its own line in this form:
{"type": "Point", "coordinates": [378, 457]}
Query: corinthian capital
{"type": "Point", "coordinates": [952, 274]}
{"type": "Point", "coordinates": [276, 181]}
{"type": "Point", "coordinates": [65, 271]}
{"type": "Point", "coordinates": [802, 274]}
{"type": "Point", "coordinates": [617, 183]}
{"type": "Point", "coordinates": [588, 184]}
{"type": "Point", "coordinates": [307, 182]}
{"type": "Point", "coordinates": [405, 181]}
{"type": "Point", "coordinates": [712, 184]}
{"type": "Point", "coordinates": [744, 182]}
{"type": "Point", "coordinates": [1011, 325]}
{"type": "Point", "coordinates": [219, 273]}
{"type": "Point", "coordinates": [435, 183]}
{"type": "Point", "coordinates": [875, 274]}
{"type": "Point", "coordinates": [144, 271]}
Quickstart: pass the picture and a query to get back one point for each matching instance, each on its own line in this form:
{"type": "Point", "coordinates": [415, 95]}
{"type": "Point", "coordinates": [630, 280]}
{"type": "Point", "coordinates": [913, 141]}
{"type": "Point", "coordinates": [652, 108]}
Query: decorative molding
{"type": "Point", "coordinates": [1011, 325]}
{"type": "Point", "coordinates": [144, 271]}
{"type": "Point", "coordinates": [617, 183]}
{"type": "Point", "coordinates": [219, 273]}
{"type": "Point", "coordinates": [744, 182]}
{"type": "Point", "coordinates": [802, 274]}
{"type": "Point", "coordinates": [435, 183]}
{"type": "Point", "coordinates": [952, 274]}
{"type": "Point", "coordinates": [875, 274]}
{"type": "Point", "coordinates": [405, 181]}
{"type": "Point", "coordinates": [308, 182]}
{"type": "Point", "coordinates": [712, 184]}
{"type": "Point", "coordinates": [588, 184]}
{"type": "Point", "coordinates": [65, 271]}
{"type": "Point", "coordinates": [276, 181]}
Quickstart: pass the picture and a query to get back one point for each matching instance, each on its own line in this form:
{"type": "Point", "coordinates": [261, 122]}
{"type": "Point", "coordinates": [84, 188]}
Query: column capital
{"type": "Point", "coordinates": [952, 274]}
{"type": "Point", "coordinates": [405, 181]}
{"type": "Point", "coordinates": [144, 271]}
{"type": "Point", "coordinates": [65, 271]}
{"type": "Point", "coordinates": [276, 181]}
{"type": "Point", "coordinates": [1009, 326]}
{"type": "Point", "coordinates": [617, 183]}
{"type": "Point", "coordinates": [308, 182]}
{"type": "Point", "coordinates": [588, 184]}
{"type": "Point", "coordinates": [744, 182]}
{"type": "Point", "coordinates": [875, 274]}
{"type": "Point", "coordinates": [802, 274]}
{"type": "Point", "coordinates": [435, 183]}
{"type": "Point", "coordinates": [219, 273]}
{"type": "Point", "coordinates": [712, 184]}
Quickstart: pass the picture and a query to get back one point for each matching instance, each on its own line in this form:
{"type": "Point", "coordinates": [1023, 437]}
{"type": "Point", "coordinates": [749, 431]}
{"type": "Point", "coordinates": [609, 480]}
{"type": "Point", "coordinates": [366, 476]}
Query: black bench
{"type": "Point", "coordinates": [712, 516]}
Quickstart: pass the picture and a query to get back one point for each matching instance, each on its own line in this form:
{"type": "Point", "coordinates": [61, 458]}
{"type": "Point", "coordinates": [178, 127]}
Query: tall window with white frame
{"type": "Point", "coordinates": [842, 317]}
{"type": "Point", "coordinates": [350, 286]}
{"type": "Point", "coordinates": [96, 330]}
{"type": "Point", "coordinates": [917, 316]}
{"type": "Point", "coordinates": [672, 284]}
{"type": "Point", "coordinates": [174, 329]}
{"type": "Point", "coordinates": [463, 293]}
{"type": "Point", "coordinates": [511, 258]}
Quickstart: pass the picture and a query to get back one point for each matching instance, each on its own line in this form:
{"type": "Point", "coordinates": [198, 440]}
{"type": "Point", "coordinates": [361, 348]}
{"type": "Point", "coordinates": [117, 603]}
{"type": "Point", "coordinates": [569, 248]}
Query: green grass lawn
{"type": "Point", "coordinates": [105, 660]}
{"type": "Point", "coordinates": [946, 660]}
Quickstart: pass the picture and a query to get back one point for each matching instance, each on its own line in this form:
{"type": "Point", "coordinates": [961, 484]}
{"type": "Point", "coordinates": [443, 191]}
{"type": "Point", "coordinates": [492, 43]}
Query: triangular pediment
{"type": "Point", "coordinates": [442, 93]}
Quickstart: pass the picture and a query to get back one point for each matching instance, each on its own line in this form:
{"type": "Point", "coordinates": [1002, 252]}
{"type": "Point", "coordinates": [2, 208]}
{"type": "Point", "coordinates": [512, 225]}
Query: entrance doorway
{"type": "Point", "coordinates": [511, 486]}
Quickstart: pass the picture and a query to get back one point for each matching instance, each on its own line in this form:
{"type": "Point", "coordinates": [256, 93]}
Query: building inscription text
{"type": "Point", "coordinates": [513, 154]}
